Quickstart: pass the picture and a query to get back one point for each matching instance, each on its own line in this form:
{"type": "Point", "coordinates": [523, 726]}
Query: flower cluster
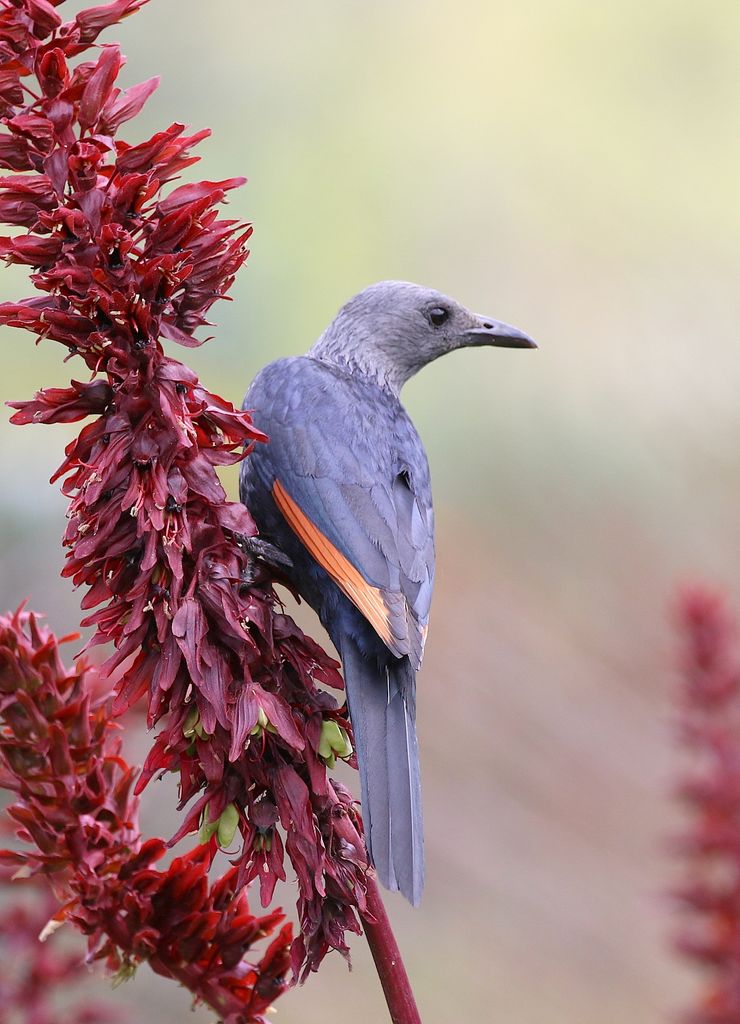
{"type": "Point", "coordinates": [709, 723]}
{"type": "Point", "coordinates": [60, 756]}
{"type": "Point", "coordinates": [174, 580]}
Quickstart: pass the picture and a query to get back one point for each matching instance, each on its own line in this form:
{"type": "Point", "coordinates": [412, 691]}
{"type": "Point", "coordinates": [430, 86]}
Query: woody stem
{"type": "Point", "coordinates": [388, 962]}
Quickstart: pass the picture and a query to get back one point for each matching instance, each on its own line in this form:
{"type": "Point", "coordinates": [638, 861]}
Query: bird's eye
{"type": "Point", "coordinates": [438, 315]}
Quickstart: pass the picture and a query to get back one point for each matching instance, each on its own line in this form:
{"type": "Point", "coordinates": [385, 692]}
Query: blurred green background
{"type": "Point", "coordinates": [571, 168]}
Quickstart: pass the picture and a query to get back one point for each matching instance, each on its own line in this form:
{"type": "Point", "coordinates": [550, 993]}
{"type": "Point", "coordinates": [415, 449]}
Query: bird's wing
{"type": "Point", "coordinates": [348, 473]}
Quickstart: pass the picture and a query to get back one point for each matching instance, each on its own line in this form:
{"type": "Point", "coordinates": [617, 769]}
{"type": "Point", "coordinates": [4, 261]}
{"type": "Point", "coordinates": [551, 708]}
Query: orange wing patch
{"type": "Point", "coordinates": [369, 600]}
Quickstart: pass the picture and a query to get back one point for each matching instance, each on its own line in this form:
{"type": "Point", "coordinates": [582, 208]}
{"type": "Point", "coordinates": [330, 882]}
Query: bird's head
{"type": "Point", "coordinates": [392, 329]}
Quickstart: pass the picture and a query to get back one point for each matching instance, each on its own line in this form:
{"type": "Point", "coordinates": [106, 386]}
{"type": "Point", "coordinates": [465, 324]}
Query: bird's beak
{"type": "Point", "coordinates": [493, 332]}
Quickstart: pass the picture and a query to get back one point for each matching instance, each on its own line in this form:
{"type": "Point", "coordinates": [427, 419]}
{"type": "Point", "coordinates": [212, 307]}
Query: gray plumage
{"type": "Point", "coordinates": [344, 450]}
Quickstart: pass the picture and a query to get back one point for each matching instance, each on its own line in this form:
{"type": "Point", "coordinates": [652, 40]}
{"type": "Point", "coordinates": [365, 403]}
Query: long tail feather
{"type": "Point", "coordinates": [382, 707]}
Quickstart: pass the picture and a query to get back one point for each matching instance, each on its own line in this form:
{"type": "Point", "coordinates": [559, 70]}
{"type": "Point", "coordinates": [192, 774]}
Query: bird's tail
{"type": "Point", "coordinates": [382, 706]}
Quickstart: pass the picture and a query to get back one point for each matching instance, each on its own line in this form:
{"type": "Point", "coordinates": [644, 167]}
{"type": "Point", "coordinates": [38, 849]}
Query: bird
{"type": "Point", "coordinates": [341, 491]}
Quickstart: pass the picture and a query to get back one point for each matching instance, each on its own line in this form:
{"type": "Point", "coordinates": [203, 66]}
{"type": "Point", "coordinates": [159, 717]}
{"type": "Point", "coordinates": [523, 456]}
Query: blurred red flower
{"type": "Point", "coordinates": [35, 972]}
{"type": "Point", "coordinates": [709, 724]}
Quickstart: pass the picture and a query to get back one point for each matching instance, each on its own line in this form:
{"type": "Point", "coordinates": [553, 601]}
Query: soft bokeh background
{"type": "Point", "coordinates": [571, 168]}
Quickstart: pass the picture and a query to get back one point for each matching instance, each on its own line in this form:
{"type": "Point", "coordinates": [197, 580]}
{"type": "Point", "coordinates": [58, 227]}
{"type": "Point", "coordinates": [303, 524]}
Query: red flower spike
{"type": "Point", "coordinates": [61, 755]}
{"type": "Point", "coordinates": [120, 262]}
{"type": "Point", "coordinates": [709, 727]}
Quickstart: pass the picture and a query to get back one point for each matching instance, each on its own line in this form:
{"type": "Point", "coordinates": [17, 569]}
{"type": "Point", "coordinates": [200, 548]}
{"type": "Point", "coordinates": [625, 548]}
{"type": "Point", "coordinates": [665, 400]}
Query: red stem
{"type": "Point", "coordinates": [388, 962]}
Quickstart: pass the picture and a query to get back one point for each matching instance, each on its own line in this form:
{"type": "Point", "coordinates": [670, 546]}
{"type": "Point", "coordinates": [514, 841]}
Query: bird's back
{"type": "Point", "coordinates": [350, 457]}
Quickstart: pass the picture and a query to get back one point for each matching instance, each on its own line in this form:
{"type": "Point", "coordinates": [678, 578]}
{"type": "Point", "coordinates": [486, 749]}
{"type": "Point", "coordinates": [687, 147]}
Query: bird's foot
{"type": "Point", "coordinates": [266, 552]}
{"type": "Point", "coordinates": [261, 557]}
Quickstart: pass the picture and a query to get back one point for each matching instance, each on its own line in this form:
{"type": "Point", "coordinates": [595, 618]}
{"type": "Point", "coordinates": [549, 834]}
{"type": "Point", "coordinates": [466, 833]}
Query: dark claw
{"type": "Point", "coordinates": [262, 549]}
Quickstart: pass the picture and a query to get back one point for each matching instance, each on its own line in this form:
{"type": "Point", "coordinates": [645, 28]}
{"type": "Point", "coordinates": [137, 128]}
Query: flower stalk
{"type": "Point", "coordinates": [388, 962]}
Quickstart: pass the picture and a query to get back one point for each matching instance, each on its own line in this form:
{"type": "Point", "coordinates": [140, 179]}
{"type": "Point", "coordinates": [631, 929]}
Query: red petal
{"type": "Point", "coordinates": [127, 105]}
{"type": "Point", "coordinates": [44, 15]}
{"type": "Point", "coordinates": [99, 86]}
{"type": "Point", "coordinates": [93, 20]}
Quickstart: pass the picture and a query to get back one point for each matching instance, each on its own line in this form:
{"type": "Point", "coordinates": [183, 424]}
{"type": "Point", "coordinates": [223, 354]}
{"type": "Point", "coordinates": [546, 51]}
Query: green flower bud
{"type": "Point", "coordinates": [207, 828]}
{"type": "Point", "coordinates": [346, 749]}
{"type": "Point", "coordinates": [227, 824]}
{"type": "Point", "coordinates": [334, 742]}
{"type": "Point", "coordinates": [206, 831]}
{"type": "Point", "coordinates": [261, 723]}
{"type": "Point", "coordinates": [193, 726]}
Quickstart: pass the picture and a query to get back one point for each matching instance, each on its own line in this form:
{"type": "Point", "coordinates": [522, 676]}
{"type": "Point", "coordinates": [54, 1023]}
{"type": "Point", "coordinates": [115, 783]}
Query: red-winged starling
{"type": "Point", "coordinates": [342, 491]}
